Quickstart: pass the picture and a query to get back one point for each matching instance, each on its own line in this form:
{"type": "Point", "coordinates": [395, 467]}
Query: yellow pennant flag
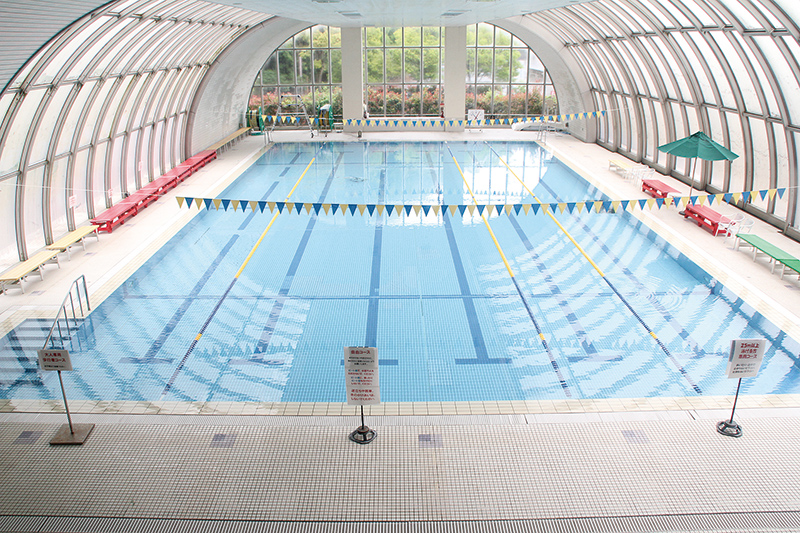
{"type": "Point", "coordinates": [235, 204]}
{"type": "Point", "coordinates": [326, 208]}
{"type": "Point", "coordinates": [361, 208]}
{"type": "Point", "coordinates": [753, 196]}
{"type": "Point", "coordinates": [580, 206]}
{"type": "Point", "coordinates": [526, 208]}
{"type": "Point", "coordinates": [668, 201]}
{"type": "Point", "coordinates": [217, 202]}
{"type": "Point", "coordinates": [452, 209]}
{"type": "Point", "coordinates": [307, 206]}
{"type": "Point", "coordinates": [771, 193]}
{"type": "Point", "coordinates": [650, 203]}
{"type": "Point", "coordinates": [545, 207]}
{"type": "Point", "coordinates": [343, 208]}
{"type": "Point", "coordinates": [399, 209]}
{"type": "Point", "coordinates": [380, 208]}
{"type": "Point", "coordinates": [489, 210]}
{"type": "Point", "coordinates": [271, 206]}
{"type": "Point", "coordinates": [615, 205]}
{"type": "Point", "coordinates": [736, 197]}
{"type": "Point", "coordinates": [290, 206]}
{"type": "Point", "coordinates": [720, 197]}
{"type": "Point", "coordinates": [561, 207]}
{"type": "Point", "coordinates": [416, 209]}
{"type": "Point", "coordinates": [198, 202]}
{"type": "Point", "coordinates": [180, 201]}
{"type": "Point", "coordinates": [436, 208]}
{"type": "Point", "coordinates": [471, 209]}
{"type": "Point", "coordinates": [253, 205]}
{"type": "Point", "coordinates": [598, 205]}
{"type": "Point", "coordinates": [508, 209]}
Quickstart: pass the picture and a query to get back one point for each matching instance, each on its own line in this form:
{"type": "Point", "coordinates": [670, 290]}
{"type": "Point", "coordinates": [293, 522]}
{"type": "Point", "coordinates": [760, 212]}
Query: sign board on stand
{"type": "Point", "coordinates": [744, 361]}
{"type": "Point", "coordinates": [50, 360]}
{"type": "Point", "coordinates": [59, 360]}
{"type": "Point", "coordinates": [363, 387]}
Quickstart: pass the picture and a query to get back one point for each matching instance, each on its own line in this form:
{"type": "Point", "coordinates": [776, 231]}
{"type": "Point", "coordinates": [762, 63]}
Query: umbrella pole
{"type": "Point", "coordinates": [691, 181]}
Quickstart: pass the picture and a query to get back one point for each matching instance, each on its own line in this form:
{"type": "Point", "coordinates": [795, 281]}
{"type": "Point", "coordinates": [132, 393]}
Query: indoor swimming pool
{"type": "Point", "coordinates": [227, 312]}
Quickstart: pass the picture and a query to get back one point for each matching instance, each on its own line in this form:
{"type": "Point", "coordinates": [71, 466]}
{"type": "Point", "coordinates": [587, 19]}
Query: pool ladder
{"type": "Point", "coordinates": [58, 335]}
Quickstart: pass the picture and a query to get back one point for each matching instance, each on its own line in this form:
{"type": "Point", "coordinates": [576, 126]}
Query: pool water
{"type": "Point", "coordinates": [430, 291]}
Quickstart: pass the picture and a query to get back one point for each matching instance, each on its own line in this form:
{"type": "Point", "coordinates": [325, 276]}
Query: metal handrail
{"type": "Point", "coordinates": [56, 323]}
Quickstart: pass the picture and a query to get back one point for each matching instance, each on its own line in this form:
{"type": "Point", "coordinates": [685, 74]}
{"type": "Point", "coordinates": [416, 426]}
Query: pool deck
{"type": "Point", "coordinates": [574, 465]}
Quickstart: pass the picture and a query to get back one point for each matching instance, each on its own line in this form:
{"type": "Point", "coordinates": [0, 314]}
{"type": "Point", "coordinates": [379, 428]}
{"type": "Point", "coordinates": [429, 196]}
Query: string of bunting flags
{"type": "Point", "coordinates": [434, 122]}
{"type": "Point", "coordinates": [597, 206]}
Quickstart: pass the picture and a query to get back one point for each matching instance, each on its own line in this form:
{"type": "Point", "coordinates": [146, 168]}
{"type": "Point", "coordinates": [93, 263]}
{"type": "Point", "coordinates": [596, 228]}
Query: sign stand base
{"type": "Point", "coordinates": [729, 428]}
{"type": "Point", "coordinates": [363, 435]}
{"type": "Point", "coordinates": [77, 434]}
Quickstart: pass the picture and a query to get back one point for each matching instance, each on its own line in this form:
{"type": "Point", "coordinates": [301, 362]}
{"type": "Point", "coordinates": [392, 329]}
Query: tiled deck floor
{"type": "Point", "coordinates": [602, 465]}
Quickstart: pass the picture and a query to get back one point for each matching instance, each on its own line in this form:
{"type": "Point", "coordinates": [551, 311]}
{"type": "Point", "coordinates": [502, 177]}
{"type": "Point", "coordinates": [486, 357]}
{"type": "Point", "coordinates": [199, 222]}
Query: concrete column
{"type": "Point", "coordinates": [455, 74]}
{"type": "Point", "coordinates": [352, 77]}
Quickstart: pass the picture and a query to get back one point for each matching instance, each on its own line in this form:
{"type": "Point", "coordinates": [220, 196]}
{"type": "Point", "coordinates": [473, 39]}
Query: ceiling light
{"type": "Point", "coordinates": [350, 14]}
{"type": "Point", "coordinates": [453, 13]}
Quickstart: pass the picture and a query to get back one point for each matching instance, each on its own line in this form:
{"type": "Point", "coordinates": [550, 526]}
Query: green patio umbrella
{"type": "Point", "coordinates": [698, 146]}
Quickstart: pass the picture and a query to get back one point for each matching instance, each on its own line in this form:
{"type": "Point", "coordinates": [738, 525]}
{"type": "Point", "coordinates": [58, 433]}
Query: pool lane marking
{"type": "Point", "coordinates": [228, 290]}
{"type": "Point", "coordinates": [283, 292]}
{"type": "Point", "coordinates": [553, 361]}
{"type": "Point", "coordinates": [603, 276]}
{"type": "Point", "coordinates": [371, 336]}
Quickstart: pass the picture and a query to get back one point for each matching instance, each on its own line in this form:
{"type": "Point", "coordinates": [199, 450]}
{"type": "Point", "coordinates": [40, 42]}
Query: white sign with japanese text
{"type": "Point", "coordinates": [745, 358]}
{"type": "Point", "coordinates": [361, 375]}
{"type": "Point", "coordinates": [54, 360]}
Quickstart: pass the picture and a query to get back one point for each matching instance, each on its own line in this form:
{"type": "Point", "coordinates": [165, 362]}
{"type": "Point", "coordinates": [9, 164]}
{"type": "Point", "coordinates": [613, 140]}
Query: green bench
{"type": "Point", "coordinates": [775, 254]}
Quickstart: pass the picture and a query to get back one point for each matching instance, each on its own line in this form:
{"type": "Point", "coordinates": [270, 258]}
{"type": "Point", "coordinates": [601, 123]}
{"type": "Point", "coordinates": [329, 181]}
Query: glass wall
{"type": "Point", "coordinates": [403, 69]}
{"type": "Point", "coordinates": [664, 69]}
{"type": "Point", "coordinates": [98, 112]}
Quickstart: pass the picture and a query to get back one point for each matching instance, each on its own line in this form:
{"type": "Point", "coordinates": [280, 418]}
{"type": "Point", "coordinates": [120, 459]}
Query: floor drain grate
{"type": "Point", "coordinates": [635, 436]}
{"type": "Point", "coordinates": [430, 440]}
{"type": "Point", "coordinates": [28, 437]}
{"type": "Point", "coordinates": [223, 440]}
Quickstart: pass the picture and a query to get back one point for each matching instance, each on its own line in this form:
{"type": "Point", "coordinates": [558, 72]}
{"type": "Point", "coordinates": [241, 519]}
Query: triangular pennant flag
{"type": "Point", "coordinates": [308, 206]}
{"type": "Point", "coordinates": [517, 208]}
{"type": "Point", "coordinates": [614, 205]}
{"type": "Point", "coordinates": [452, 208]}
{"type": "Point", "coordinates": [659, 202]}
{"type": "Point", "coordinates": [462, 208]}
{"type": "Point", "coordinates": [280, 206]}
{"type": "Point", "coordinates": [508, 208]}
{"type": "Point", "coordinates": [343, 208]}
{"type": "Point", "coordinates": [561, 207]}
{"type": "Point", "coordinates": [481, 208]}
{"type": "Point", "coordinates": [180, 201]}
{"type": "Point", "coordinates": [693, 199]}
{"type": "Point", "coordinates": [650, 203]}
{"type": "Point", "coordinates": [255, 204]}
{"type": "Point", "coordinates": [642, 203]}
{"type": "Point", "coordinates": [781, 191]}
{"type": "Point", "coordinates": [727, 197]}
{"type": "Point", "coordinates": [353, 208]}
{"type": "Point", "coordinates": [527, 207]}
{"type": "Point", "coordinates": [370, 208]}
{"type": "Point", "coordinates": [398, 208]}
{"type": "Point", "coordinates": [326, 208]}
{"type": "Point", "coordinates": [235, 204]}
{"type": "Point", "coordinates": [598, 206]}
{"type": "Point", "coordinates": [407, 209]}
{"type": "Point", "coordinates": [471, 209]}
{"type": "Point", "coordinates": [702, 199]}
{"type": "Point", "coordinates": [772, 193]}
{"type": "Point", "coordinates": [225, 204]}
{"type": "Point", "coordinates": [426, 209]}
{"type": "Point", "coordinates": [289, 207]}
{"type": "Point", "coordinates": [753, 195]}
{"type": "Point", "coordinates": [298, 207]}
{"type": "Point", "coordinates": [272, 206]}
{"type": "Point", "coordinates": [317, 207]}
{"type": "Point", "coordinates": [669, 200]}
{"type": "Point", "coordinates": [216, 202]}
{"type": "Point", "coordinates": [416, 209]}
{"type": "Point", "coordinates": [334, 207]}
{"type": "Point", "coordinates": [579, 206]}
{"type": "Point", "coordinates": [624, 204]}
{"type": "Point", "coordinates": [385, 122]}
{"type": "Point", "coordinates": [711, 198]}
{"type": "Point", "coordinates": [737, 196]}
{"type": "Point", "coordinates": [720, 197]}
{"type": "Point", "coordinates": [436, 208]}
{"type": "Point", "coordinates": [198, 202]}
{"type": "Point", "coordinates": [762, 193]}
{"type": "Point", "coordinates": [361, 209]}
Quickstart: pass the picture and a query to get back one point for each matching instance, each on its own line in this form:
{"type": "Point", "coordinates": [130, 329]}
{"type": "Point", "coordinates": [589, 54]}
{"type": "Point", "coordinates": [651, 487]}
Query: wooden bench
{"type": "Point", "coordinates": [18, 273]}
{"type": "Point", "coordinates": [115, 216]}
{"type": "Point", "coordinates": [72, 238]}
{"type": "Point", "coordinates": [226, 143]}
{"type": "Point", "coordinates": [775, 254]}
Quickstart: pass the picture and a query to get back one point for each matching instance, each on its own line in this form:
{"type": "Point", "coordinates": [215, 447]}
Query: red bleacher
{"type": "Point", "coordinates": [130, 206]}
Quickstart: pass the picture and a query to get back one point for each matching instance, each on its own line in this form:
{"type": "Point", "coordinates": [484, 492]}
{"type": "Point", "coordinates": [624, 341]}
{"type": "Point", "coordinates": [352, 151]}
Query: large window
{"type": "Point", "coordinates": [504, 77]}
{"type": "Point", "coordinates": [403, 70]}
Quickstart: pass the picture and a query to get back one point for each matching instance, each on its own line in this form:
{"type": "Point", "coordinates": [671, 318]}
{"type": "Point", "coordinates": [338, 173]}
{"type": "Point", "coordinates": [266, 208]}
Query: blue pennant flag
{"type": "Point", "coordinates": [208, 202]}
{"type": "Point", "coordinates": [642, 203]}
{"type": "Point", "coordinates": [763, 193]}
{"type": "Point", "coordinates": [425, 209]}
{"type": "Point", "coordinates": [607, 205]}
{"type": "Point", "coordinates": [261, 206]}
{"type": "Point", "coordinates": [693, 199]}
{"type": "Point", "coordinates": [243, 204]}
{"type": "Point", "coordinates": [298, 207]}
{"type": "Point", "coordinates": [280, 206]}
{"type": "Point", "coordinates": [408, 209]}
{"type": "Point", "coordinates": [535, 208]}
{"type": "Point", "coordinates": [480, 209]}
{"type": "Point", "coordinates": [781, 191]}
{"type": "Point", "coordinates": [353, 208]}
{"type": "Point", "coordinates": [624, 204]}
{"type": "Point", "coordinates": [334, 207]}
{"type": "Point", "coordinates": [570, 206]}
{"type": "Point", "coordinates": [517, 207]}
{"type": "Point", "coordinates": [461, 209]}
{"type": "Point", "coordinates": [316, 207]}
{"type": "Point", "coordinates": [371, 208]}
{"type": "Point", "coordinates": [189, 201]}
{"type": "Point", "coordinates": [660, 202]}
{"type": "Point", "coordinates": [728, 197]}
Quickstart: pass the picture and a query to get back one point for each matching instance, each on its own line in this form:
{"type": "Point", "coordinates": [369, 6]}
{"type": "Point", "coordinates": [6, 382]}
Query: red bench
{"type": "Point", "coordinates": [181, 172]}
{"type": "Point", "coordinates": [160, 186]}
{"type": "Point", "coordinates": [115, 216]}
{"type": "Point", "coordinates": [657, 188]}
{"type": "Point", "coordinates": [705, 217]}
